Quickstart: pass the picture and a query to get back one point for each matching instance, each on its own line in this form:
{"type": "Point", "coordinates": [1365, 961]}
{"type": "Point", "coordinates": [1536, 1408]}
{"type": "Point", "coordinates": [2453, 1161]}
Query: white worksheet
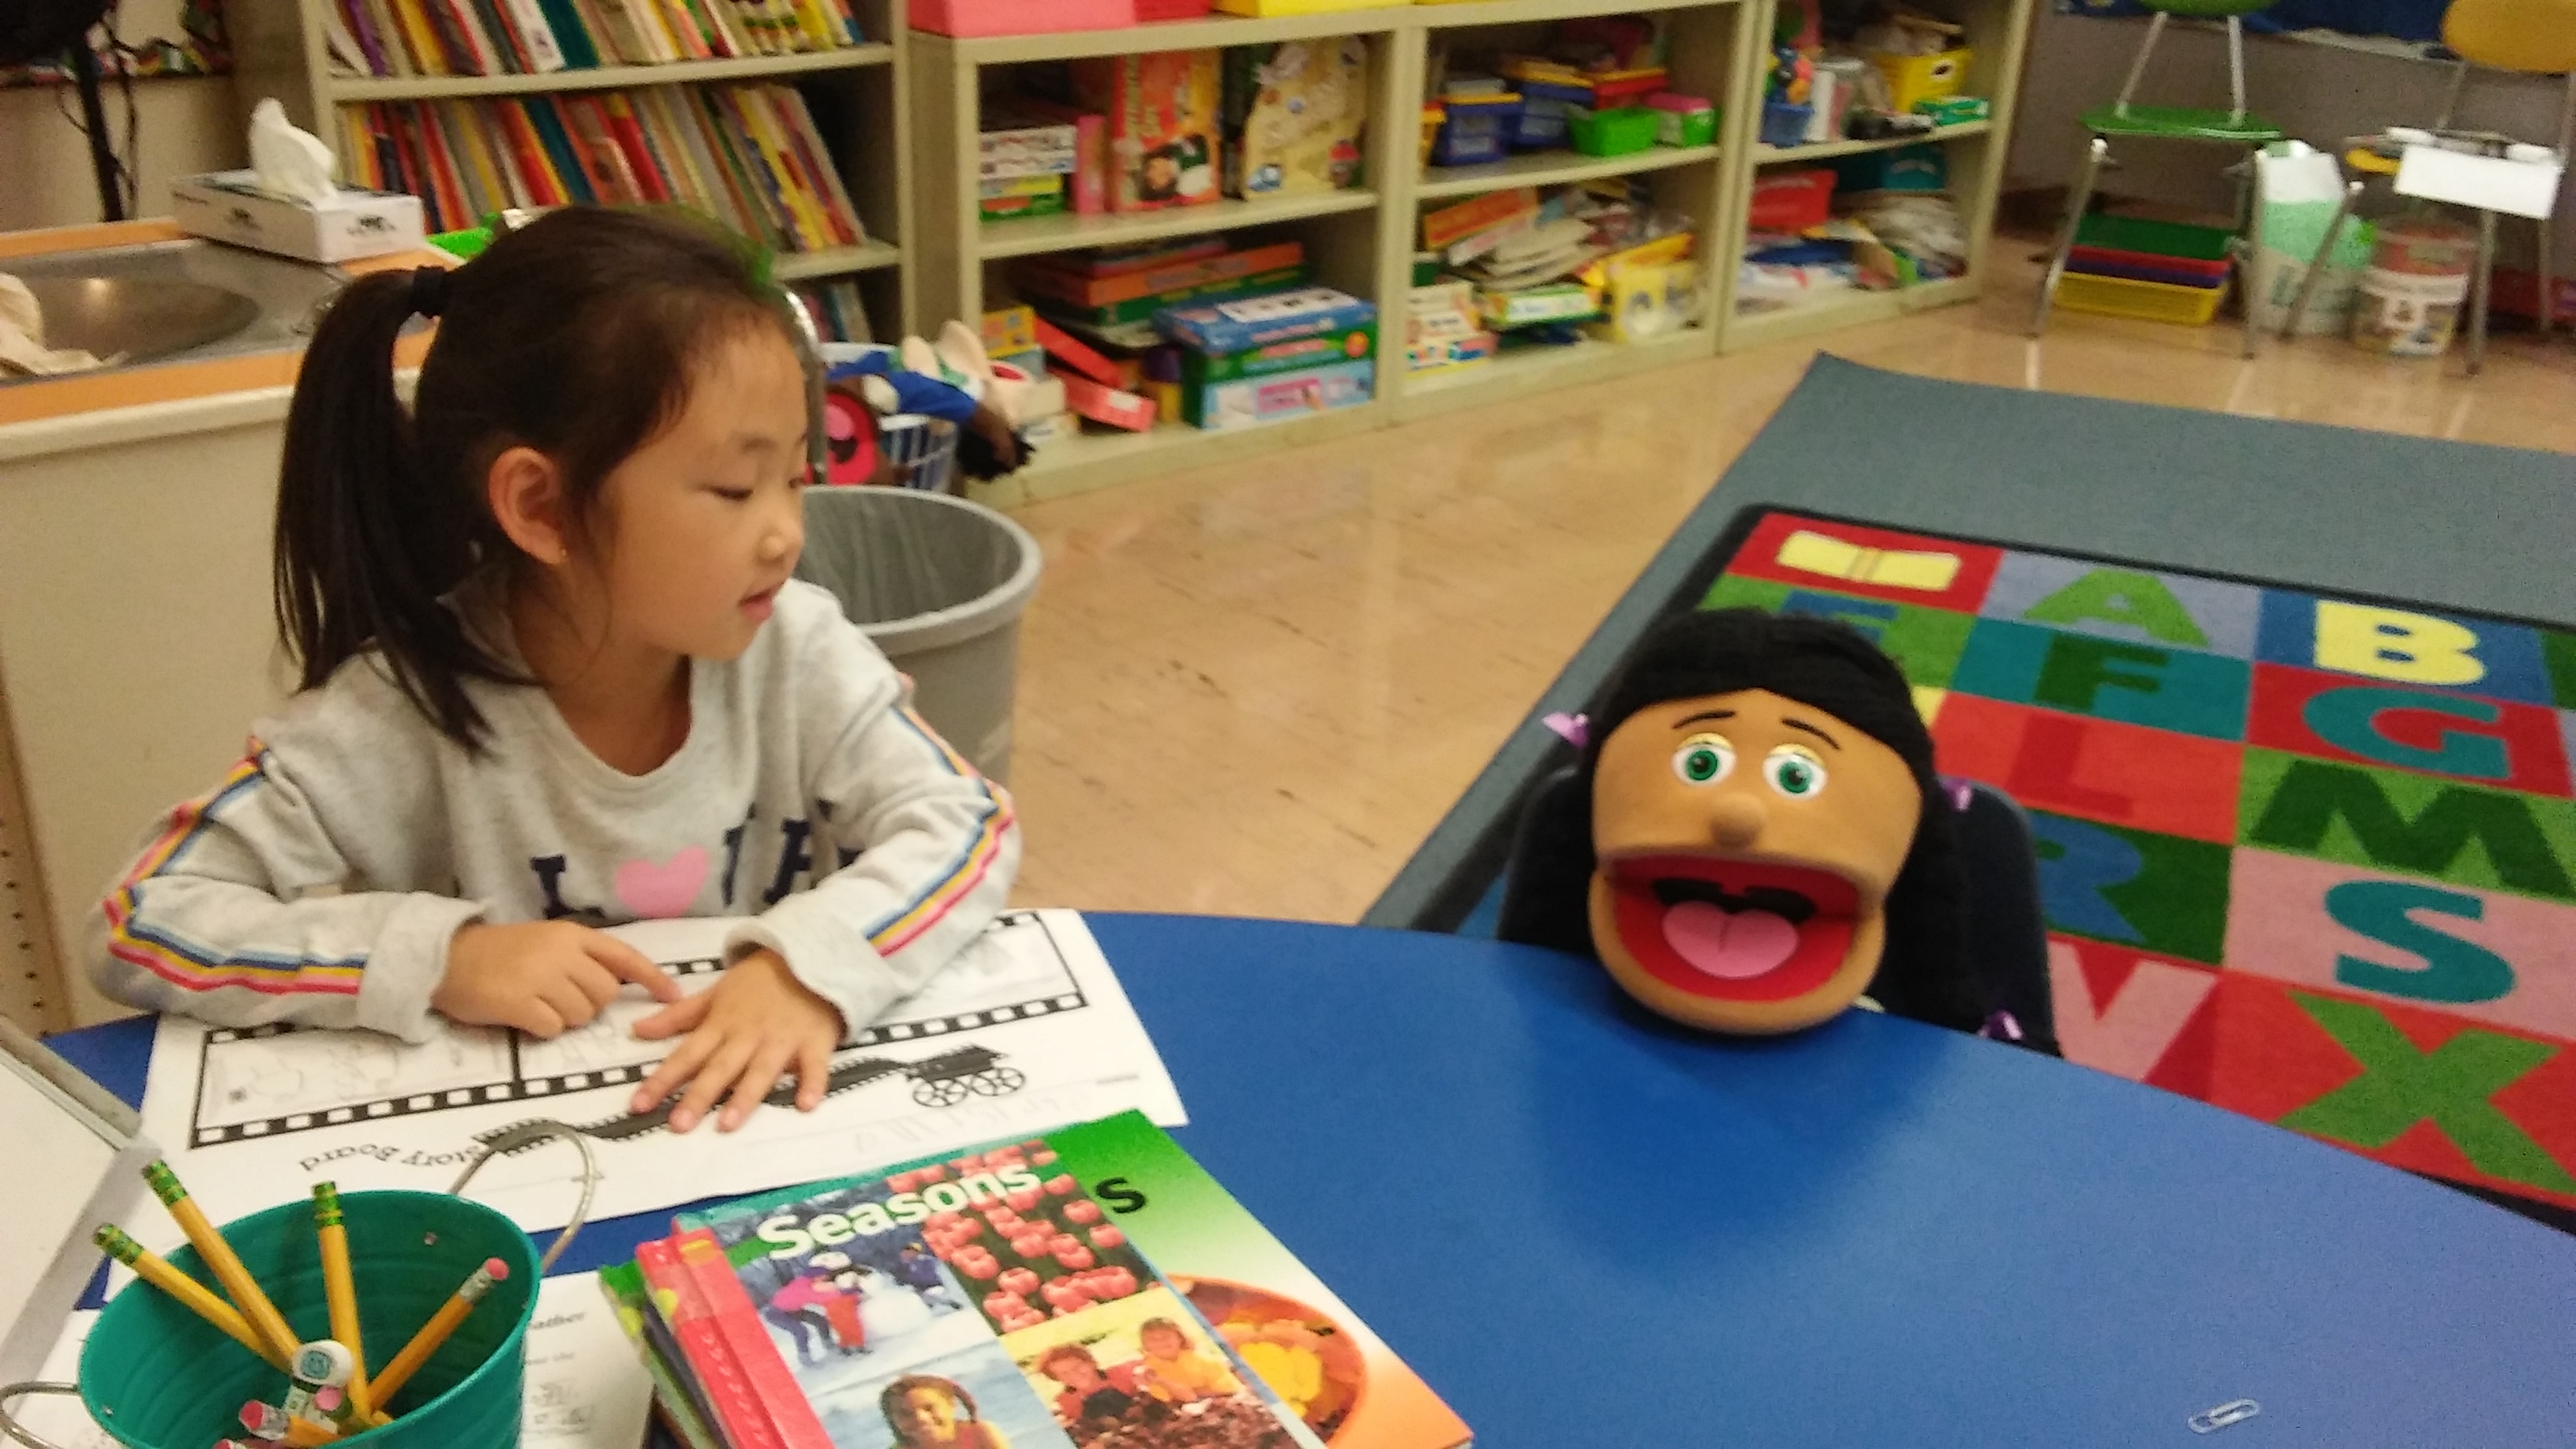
{"type": "Point", "coordinates": [1026, 1030]}
{"type": "Point", "coordinates": [586, 1389]}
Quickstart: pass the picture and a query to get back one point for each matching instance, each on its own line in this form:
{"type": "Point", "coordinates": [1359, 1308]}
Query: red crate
{"type": "Point", "coordinates": [1020, 17]}
{"type": "Point", "coordinates": [1791, 200]}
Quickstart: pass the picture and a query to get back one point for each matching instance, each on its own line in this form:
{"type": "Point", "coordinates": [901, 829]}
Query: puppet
{"type": "Point", "coordinates": [1754, 837]}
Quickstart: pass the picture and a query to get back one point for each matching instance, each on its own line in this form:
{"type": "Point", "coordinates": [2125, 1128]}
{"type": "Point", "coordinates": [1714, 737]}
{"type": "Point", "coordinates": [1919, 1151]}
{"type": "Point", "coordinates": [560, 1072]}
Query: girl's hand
{"type": "Point", "coordinates": [743, 1035]}
{"type": "Point", "coordinates": [543, 977]}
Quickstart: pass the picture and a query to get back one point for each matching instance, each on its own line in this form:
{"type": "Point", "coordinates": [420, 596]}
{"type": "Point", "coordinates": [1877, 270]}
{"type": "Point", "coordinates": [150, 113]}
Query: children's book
{"type": "Point", "coordinates": [1089, 1289]}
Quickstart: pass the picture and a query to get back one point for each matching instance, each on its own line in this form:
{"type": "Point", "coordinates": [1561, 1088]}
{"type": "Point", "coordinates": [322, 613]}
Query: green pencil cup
{"type": "Point", "coordinates": [157, 1376]}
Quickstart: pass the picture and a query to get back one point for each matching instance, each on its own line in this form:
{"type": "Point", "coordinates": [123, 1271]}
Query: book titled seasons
{"type": "Point", "coordinates": [405, 38]}
{"type": "Point", "coordinates": [1089, 1289]}
{"type": "Point", "coordinates": [748, 155]}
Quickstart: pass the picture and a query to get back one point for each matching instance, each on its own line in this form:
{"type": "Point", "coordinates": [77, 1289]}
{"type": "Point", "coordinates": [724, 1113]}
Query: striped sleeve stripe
{"type": "Point", "coordinates": [190, 965]}
{"type": "Point", "coordinates": [966, 870]}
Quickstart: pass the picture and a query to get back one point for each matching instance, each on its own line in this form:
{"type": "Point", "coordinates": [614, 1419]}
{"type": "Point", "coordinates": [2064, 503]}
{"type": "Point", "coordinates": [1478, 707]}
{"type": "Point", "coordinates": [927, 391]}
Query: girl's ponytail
{"type": "Point", "coordinates": [366, 545]}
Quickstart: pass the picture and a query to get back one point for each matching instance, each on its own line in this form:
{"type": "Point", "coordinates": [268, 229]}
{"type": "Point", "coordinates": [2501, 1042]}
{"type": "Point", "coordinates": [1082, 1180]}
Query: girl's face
{"type": "Point", "coordinates": [704, 522]}
{"type": "Point", "coordinates": [929, 1415]}
{"type": "Point", "coordinates": [1163, 1342]}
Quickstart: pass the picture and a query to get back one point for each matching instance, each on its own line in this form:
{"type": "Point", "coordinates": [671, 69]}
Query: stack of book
{"type": "Point", "coordinates": [1090, 1289]}
{"type": "Point", "coordinates": [838, 313]}
{"type": "Point", "coordinates": [537, 37]}
{"type": "Point", "coordinates": [748, 155]}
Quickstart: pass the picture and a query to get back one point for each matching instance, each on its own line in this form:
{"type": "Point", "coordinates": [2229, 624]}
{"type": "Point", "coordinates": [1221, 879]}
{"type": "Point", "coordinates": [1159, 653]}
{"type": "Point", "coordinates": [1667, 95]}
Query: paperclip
{"type": "Point", "coordinates": [2234, 1411]}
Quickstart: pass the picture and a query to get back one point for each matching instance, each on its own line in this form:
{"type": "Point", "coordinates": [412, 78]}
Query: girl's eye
{"type": "Point", "coordinates": [734, 495]}
{"type": "Point", "coordinates": [1704, 759]}
{"type": "Point", "coordinates": [1793, 772]}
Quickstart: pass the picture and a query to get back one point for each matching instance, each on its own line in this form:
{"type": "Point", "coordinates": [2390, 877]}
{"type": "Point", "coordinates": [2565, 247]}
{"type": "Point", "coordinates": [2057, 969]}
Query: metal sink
{"type": "Point", "coordinates": [175, 301]}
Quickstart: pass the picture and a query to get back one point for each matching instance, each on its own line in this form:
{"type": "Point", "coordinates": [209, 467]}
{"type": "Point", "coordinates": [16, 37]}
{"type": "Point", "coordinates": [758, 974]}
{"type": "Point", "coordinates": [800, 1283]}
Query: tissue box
{"type": "Point", "coordinates": [226, 206]}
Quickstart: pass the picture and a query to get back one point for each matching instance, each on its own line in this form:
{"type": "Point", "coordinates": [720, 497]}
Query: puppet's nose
{"type": "Point", "coordinates": [1735, 820]}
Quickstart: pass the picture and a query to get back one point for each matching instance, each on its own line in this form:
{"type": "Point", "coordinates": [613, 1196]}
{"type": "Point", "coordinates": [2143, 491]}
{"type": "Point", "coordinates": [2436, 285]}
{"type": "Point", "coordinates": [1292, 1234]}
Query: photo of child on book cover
{"type": "Point", "coordinates": [977, 1399]}
{"type": "Point", "coordinates": [1144, 1373]}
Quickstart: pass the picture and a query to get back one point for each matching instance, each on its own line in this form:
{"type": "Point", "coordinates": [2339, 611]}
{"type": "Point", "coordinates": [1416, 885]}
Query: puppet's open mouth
{"type": "Point", "coordinates": [1735, 930]}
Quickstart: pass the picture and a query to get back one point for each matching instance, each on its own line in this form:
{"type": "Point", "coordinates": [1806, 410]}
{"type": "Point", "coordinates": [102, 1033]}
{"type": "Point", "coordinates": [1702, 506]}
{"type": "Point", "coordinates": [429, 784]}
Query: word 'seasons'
{"type": "Point", "coordinates": [793, 1236]}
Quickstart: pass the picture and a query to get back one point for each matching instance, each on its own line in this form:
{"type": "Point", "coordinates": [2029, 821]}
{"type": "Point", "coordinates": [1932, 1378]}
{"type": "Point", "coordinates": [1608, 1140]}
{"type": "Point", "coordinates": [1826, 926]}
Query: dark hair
{"type": "Point", "coordinates": [902, 1389]}
{"type": "Point", "coordinates": [1065, 1351]}
{"type": "Point", "coordinates": [576, 335]}
{"type": "Point", "coordinates": [1922, 972]}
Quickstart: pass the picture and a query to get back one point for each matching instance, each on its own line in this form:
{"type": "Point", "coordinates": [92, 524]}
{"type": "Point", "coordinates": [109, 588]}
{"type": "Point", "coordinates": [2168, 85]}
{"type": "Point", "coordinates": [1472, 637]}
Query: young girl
{"type": "Point", "coordinates": [555, 676]}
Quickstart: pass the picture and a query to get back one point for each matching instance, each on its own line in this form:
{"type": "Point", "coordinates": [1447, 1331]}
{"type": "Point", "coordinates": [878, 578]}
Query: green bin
{"type": "Point", "coordinates": [156, 1376]}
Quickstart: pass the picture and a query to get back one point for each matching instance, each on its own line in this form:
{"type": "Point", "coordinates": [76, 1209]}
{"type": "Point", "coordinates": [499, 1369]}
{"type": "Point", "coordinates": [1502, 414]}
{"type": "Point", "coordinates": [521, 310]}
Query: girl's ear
{"type": "Point", "coordinates": [526, 492]}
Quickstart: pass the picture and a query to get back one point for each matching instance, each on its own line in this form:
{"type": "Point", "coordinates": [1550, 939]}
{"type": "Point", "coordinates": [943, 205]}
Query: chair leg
{"type": "Point", "coordinates": [2479, 281]}
{"type": "Point", "coordinates": [2451, 95]}
{"type": "Point", "coordinates": [2094, 155]}
{"type": "Point", "coordinates": [2250, 246]}
{"type": "Point", "coordinates": [2317, 267]}
{"type": "Point", "coordinates": [2138, 67]}
{"type": "Point", "coordinates": [2235, 66]}
{"type": "Point", "coordinates": [2548, 280]}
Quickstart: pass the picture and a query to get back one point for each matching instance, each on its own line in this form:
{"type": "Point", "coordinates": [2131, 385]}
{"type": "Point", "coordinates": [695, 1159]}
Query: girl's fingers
{"type": "Point", "coordinates": [680, 1017]}
{"type": "Point", "coordinates": [594, 981]}
{"type": "Point", "coordinates": [568, 999]}
{"type": "Point", "coordinates": [628, 964]}
{"type": "Point", "coordinates": [720, 1072]}
{"type": "Point", "coordinates": [767, 1066]}
{"type": "Point", "coordinates": [676, 1068]}
{"type": "Point", "coordinates": [813, 1073]}
{"type": "Point", "coordinates": [535, 1017]}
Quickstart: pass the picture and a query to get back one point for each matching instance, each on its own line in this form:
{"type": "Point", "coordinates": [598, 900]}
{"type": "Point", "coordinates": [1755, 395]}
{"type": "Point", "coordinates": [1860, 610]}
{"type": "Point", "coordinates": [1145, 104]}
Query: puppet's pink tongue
{"type": "Point", "coordinates": [1729, 946]}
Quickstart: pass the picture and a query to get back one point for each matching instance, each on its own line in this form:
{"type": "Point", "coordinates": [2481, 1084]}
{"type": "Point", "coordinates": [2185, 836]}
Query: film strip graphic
{"type": "Point", "coordinates": [236, 1064]}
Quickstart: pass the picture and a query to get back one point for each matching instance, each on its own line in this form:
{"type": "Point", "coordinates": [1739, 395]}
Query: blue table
{"type": "Point", "coordinates": [1591, 1231]}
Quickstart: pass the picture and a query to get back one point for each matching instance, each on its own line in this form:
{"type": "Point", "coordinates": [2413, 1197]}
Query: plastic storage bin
{"type": "Point", "coordinates": [1784, 124]}
{"type": "Point", "coordinates": [1912, 78]}
{"type": "Point", "coordinates": [1682, 120]}
{"type": "Point", "coordinates": [969, 18]}
{"type": "Point", "coordinates": [2150, 301]}
{"type": "Point", "coordinates": [1477, 128]}
{"type": "Point", "coordinates": [1544, 107]}
{"type": "Point", "coordinates": [1621, 132]}
{"type": "Point", "coordinates": [2138, 243]}
{"type": "Point", "coordinates": [938, 583]}
{"type": "Point", "coordinates": [1791, 200]}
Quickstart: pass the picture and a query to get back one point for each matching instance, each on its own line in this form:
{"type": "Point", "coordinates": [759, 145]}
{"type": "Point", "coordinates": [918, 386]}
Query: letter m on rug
{"type": "Point", "coordinates": [2313, 796]}
{"type": "Point", "coordinates": [2453, 1086]}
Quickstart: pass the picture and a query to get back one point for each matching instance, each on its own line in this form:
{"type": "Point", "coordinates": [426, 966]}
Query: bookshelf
{"type": "Point", "coordinates": [855, 93]}
{"type": "Point", "coordinates": [1997, 34]}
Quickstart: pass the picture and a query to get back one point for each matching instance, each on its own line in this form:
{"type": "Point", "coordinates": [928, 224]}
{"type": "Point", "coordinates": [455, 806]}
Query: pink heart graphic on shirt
{"type": "Point", "coordinates": [657, 890]}
{"type": "Point", "coordinates": [1728, 946]}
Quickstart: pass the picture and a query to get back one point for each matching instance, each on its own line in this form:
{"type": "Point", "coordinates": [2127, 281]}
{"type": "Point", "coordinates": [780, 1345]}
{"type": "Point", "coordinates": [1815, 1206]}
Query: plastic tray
{"type": "Point", "coordinates": [2093, 262]}
{"type": "Point", "coordinates": [2151, 301]}
{"type": "Point", "coordinates": [2174, 240]}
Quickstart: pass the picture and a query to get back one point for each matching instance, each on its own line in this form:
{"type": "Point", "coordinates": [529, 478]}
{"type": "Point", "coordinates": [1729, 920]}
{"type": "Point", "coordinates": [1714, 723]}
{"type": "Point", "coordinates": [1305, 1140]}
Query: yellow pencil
{"type": "Point", "coordinates": [435, 1332]}
{"type": "Point", "coordinates": [264, 1318]}
{"type": "Point", "coordinates": [342, 1290]}
{"type": "Point", "coordinates": [192, 1295]}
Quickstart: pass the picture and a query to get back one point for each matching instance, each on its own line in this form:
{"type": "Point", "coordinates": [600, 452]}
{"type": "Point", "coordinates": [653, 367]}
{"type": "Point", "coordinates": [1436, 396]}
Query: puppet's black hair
{"type": "Point", "coordinates": [1923, 972]}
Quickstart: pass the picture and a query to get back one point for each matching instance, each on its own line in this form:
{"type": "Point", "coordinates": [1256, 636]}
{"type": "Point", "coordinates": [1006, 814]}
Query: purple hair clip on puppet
{"type": "Point", "coordinates": [1754, 839]}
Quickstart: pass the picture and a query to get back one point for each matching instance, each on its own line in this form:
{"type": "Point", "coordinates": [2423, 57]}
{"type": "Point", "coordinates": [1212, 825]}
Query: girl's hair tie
{"type": "Point", "coordinates": [428, 290]}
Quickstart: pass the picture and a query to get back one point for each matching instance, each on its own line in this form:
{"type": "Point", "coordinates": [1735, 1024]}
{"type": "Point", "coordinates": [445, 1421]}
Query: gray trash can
{"type": "Point", "coordinates": [938, 583]}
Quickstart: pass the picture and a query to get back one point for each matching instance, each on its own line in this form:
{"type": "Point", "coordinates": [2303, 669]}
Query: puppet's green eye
{"type": "Point", "coordinates": [1704, 759]}
{"type": "Point", "coordinates": [1793, 772]}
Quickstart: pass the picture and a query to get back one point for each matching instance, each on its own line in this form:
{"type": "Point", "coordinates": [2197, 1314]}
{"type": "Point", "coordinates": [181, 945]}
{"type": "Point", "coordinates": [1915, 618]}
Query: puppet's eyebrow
{"type": "Point", "coordinates": [1703, 716]}
{"type": "Point", "coordinates": [1799, 724]}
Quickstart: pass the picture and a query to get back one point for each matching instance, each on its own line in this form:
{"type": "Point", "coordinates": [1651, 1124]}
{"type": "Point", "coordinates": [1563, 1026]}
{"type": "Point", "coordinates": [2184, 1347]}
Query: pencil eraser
{"type": "Point", "coordinates": [498, 1269]}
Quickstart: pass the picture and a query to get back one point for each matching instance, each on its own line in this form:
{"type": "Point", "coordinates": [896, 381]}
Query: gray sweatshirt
{"type": "Point", "coordinates": [322, 880]}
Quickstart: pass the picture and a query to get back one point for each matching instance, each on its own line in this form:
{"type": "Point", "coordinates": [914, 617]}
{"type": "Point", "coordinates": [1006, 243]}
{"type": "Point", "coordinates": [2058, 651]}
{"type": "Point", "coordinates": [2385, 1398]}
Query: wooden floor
{"type": "Point", "coordinates": [1254, 691]}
